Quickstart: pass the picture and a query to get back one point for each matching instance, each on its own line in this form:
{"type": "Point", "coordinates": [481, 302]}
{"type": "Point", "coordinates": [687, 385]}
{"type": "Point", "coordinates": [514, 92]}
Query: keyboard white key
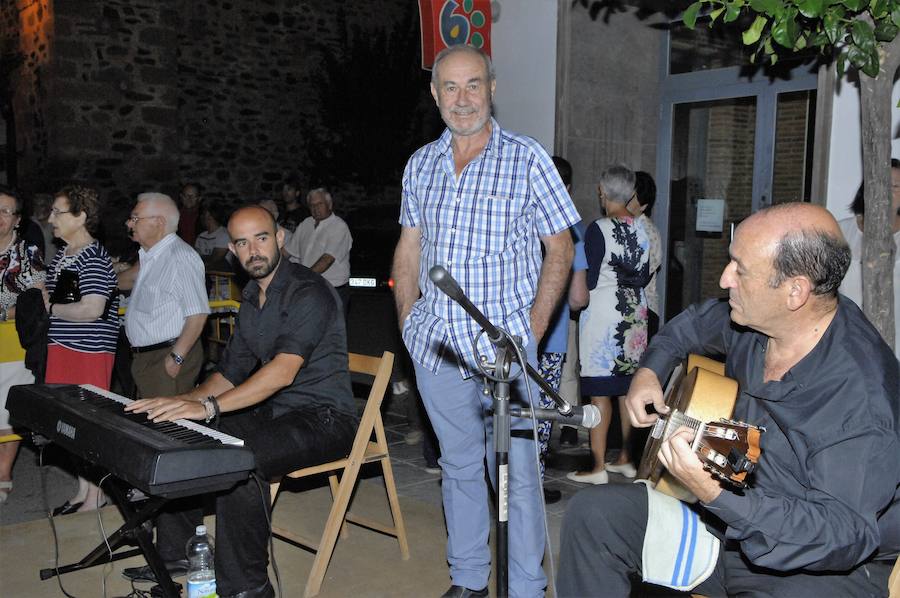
{"type": "Point", "coordinates": [186, 423]}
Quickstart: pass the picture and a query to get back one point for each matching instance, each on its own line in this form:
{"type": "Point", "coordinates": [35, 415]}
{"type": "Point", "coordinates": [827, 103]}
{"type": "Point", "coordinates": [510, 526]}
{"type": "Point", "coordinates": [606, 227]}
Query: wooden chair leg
{"type": "Point", "coordinates": [394, 501]}
{"type": "Point", "coordinates": [273, 491]}
{"type": "Point", "coordinates": [335, 485]}
{"type": "Point", "coordinates": [332, 528]}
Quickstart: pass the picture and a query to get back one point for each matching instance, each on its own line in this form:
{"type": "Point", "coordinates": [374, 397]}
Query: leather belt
{"type": "Point", "coordinates": [156, 347]}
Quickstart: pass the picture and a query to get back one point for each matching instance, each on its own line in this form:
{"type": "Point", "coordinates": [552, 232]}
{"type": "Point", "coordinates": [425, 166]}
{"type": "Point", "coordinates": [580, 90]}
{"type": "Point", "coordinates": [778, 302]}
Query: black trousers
{"type": "Point", "coordinates": [600, 555]}
{"type": "Point", "coordinates": [280, 445]}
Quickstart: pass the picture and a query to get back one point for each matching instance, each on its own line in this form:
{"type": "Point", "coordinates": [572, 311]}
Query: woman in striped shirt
{"type": "Point", "coordinates": [82, 303]}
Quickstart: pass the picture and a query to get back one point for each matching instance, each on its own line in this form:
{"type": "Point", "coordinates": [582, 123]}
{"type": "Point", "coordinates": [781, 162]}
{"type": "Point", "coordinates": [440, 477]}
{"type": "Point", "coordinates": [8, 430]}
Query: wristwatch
{"type": "Point", "coordinates": [178, 359]}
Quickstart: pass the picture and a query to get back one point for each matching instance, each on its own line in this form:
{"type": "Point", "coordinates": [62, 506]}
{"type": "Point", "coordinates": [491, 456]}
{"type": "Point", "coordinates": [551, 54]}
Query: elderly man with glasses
{"type": "Point", "coordinates": [169, 303]}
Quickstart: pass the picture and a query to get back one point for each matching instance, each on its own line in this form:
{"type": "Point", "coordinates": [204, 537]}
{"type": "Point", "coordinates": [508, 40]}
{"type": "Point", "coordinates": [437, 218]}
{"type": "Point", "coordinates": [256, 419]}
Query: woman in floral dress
{"type": "Point", "coordinates": [613, 327]}
{"type": "Point", "coordinates": [21, 268]}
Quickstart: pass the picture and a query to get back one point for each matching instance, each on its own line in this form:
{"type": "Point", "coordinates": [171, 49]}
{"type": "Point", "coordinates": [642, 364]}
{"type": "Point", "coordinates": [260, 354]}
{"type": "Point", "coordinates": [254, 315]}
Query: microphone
{"type": "Point", "coordinates": [442, 280]}
{"type": "Point", "coordinates": [587, 416]}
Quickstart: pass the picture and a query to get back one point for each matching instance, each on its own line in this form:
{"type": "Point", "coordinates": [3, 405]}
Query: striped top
{"type": "Point", "coordinates": [169, 288]}
{"type": "Point", "coordinates": [484, 227]}
{"type": "Point", "coordinates": [95, 277]}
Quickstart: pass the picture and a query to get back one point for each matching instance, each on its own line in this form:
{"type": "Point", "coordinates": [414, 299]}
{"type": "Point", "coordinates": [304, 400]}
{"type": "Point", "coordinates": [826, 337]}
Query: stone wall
{"type": "Point", "coordinates": [26, 30]}
{"type": "Point", "coordinates": [127, 95]}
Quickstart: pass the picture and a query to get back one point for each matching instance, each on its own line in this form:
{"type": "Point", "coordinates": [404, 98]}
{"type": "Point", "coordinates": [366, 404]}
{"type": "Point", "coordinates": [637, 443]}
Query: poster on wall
{"type": "Point", "coordinates": [446, 23]}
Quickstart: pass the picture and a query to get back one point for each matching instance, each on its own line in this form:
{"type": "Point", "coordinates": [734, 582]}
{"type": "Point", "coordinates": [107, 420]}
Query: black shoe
{"type": "Point", "coordinates": [145, 573]}
{"type": "Point", "coordinates": [461, 592]}
{"type": "Point", "coordinates": [67, 508]}
{"type": "Point", "coordinates": [568, 435]}
{"type": "Point", "coordinates": [551, 496]}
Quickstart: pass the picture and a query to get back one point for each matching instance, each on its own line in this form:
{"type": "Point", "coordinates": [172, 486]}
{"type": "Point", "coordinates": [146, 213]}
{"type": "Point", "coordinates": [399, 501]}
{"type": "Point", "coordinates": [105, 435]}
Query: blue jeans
{"type": "Point", "coordinates": [459, 414]}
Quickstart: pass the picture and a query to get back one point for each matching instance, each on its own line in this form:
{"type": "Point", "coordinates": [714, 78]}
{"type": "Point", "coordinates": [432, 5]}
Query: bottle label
{"type": "Point", "coordinates": [201, 589]}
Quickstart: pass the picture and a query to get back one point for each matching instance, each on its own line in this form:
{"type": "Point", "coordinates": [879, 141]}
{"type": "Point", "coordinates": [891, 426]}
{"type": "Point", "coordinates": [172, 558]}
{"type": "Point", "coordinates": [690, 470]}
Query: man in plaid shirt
{"type": "Point", "coordinates": [480, 201]}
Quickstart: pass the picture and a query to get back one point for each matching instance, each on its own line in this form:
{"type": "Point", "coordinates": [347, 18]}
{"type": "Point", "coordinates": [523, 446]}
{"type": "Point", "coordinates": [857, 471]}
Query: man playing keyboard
{"type": "Point", "coordinates": [282, 386]}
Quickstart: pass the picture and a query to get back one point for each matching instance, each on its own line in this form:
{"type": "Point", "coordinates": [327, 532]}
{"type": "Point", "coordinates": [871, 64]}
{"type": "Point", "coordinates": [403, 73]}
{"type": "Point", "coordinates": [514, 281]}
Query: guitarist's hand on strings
{"type": "Point", "coordinates": [644, 390]}
{"type": "Point", "coordinates": [679, 458]}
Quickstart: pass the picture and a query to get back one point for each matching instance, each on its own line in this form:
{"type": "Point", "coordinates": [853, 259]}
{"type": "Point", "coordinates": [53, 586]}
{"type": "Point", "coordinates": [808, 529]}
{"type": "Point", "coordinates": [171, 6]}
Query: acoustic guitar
{"type": "Point", "coordinates": [703, 400]}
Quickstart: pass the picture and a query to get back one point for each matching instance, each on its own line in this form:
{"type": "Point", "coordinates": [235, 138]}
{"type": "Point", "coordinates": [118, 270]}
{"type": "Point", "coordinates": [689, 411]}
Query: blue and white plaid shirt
{"type": "Point", "coordinates": [485, 229]}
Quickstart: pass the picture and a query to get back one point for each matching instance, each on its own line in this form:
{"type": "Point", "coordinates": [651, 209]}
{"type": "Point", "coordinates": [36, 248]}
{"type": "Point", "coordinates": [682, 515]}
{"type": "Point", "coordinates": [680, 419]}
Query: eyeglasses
{"type": "Point", "coordinates": [8, 212]}
{"type": "Point", "coordinates": [134, 219]}
{"type": "Point", "coordinates": [56, 212]}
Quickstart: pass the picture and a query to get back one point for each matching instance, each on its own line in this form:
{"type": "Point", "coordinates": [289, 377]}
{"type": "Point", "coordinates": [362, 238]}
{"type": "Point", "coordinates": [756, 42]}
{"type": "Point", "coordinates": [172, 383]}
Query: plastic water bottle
{"type": "Point", "coordinates": [201, 575]}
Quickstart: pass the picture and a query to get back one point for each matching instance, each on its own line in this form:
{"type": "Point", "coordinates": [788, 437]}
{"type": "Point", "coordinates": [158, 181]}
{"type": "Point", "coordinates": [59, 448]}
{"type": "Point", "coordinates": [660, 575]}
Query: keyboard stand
{"type": "Point", "coordinates": [137, 528]}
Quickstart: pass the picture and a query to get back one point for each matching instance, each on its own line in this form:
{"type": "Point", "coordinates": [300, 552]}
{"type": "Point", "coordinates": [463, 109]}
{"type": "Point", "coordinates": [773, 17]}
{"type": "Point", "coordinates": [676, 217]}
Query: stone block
{"type": "Point", "coordinates": [152, 75]}
{"type": "Point", "coordinates": [157, 36]}
{"type": "Point", "coordinates": [72, 49]}
{"type": "Point", "coordinates": [163, 117]}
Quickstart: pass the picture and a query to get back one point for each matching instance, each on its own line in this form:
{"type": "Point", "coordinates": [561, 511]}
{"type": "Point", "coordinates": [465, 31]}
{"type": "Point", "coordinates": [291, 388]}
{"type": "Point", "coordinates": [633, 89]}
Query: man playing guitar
{"type": "Point", "coordinates": [821, 516]}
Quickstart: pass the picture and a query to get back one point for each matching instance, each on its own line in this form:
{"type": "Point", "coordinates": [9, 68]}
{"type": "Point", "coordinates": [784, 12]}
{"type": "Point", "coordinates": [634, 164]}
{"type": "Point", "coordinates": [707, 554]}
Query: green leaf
{"type": "Point", "coordinates": [833, 21]}
{"type": "Point", "coordinates": [886, 31]}
{"type": "Point", "coordinates": [690, 14]}
{"type": "Point", "coordinates": [732, 11]}
{"type": "Point", "coordinates": [800, 43]}
{"type": "Point", "coordinates": [841, 64]}
{"type": "Point", "coordinates": [751, 35]}
{"type": "Point", "coordinates": [811, 9]}
{"type": "Point", "coordinates": [715, 15]}
{"type": "Point", "coordinates": [872, 66]}
{"type": "Point", "coordinates": [863, 36]}
{"type": "Point", "coordinates": [769, 7]}
{"type": "Point", "coordinates": [895, 16]}
{"type": "Point", "coordinates": [785, 30]}
{"type": "Point", "coordinates": [819, 39]}
{"type": "Point", "coordinates": [857, 56]}
{"type": "Point", "coordinates": [854, 5]}
{"type": "Point", "coordinates": [878, 9]}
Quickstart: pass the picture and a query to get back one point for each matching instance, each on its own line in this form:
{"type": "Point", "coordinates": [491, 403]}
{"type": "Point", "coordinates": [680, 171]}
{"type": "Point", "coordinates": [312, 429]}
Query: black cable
{"type": "Point", "coordinates": [52, 523]}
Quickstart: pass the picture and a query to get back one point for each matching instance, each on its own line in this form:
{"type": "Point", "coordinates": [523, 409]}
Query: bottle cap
{"type": "Point", "coordinates": [201, 530]}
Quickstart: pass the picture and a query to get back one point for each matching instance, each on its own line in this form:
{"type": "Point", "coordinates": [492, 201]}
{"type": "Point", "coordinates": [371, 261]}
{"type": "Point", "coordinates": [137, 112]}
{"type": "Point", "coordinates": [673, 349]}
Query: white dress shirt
{"type": "Point", "coordinates": [169, 288]}
{"type": "Point", "coordinates": [331, 236]}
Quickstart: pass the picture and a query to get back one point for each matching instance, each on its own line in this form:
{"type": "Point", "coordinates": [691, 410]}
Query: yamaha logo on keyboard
{"type": "Point", "coordinates": [65, 429]}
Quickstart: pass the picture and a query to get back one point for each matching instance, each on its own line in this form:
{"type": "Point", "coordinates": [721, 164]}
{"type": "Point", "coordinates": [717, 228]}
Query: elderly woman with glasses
{"type": "Point", "coordinates": [82, 302]}
{"type": "Point", "coordinates": [613, 327]}
{"type": "Point", "coordinates": [21, 268]}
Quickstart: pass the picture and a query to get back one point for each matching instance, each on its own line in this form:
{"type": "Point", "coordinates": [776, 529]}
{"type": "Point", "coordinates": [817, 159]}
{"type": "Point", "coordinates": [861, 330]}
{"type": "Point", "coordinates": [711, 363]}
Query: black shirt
{"type": "Point", "coordinates": [301, 316]}
{"type": "Point", "coordinates": [824, 496]}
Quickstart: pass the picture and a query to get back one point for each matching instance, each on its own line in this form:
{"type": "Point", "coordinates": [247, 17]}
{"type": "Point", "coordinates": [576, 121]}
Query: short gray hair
{"type": "Point", "coordinates": [821, 257]}
{"type": "Point", "coordinates": [617, 183]}
{"type": "Point", "coordinates": [323, 192]}
{"type": "Point", "coordinates": [466, 49]}
{"type": "Point", "coordinates": [167, 208]}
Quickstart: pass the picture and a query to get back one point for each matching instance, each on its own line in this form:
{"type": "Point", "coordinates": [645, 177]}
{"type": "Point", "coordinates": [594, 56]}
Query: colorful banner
{"type": "Point", "coordinates": [446, 23]}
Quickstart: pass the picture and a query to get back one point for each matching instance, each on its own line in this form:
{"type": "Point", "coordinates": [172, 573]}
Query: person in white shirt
{"type": "Point", "coordinates": [168, 305]}
{"type": "Point", "coordinates": [212, 243]}
{"type": "Point", "coordinates": [322, 243]}
{"type": "Point", "coordinates": [852, 228]}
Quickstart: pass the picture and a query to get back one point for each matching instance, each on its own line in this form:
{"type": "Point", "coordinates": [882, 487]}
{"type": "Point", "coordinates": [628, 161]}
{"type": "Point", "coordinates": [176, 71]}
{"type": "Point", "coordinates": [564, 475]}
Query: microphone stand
{"type": "Point", "coordinates": [506, 347]}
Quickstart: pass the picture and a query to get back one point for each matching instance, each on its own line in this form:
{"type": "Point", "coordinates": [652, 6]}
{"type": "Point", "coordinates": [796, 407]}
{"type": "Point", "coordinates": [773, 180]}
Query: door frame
{"type": "Point", "coordinates": [711, 85]}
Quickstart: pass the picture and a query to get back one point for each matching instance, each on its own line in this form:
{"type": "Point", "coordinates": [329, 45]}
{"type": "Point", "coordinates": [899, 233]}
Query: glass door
{"type": "Point", "coordinates": [731, 141]}
{"type": "Point", "coordinates": [710, 186]}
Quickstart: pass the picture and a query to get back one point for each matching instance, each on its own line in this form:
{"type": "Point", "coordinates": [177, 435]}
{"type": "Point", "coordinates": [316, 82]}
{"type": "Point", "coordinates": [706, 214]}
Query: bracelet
{"type": "Point", "coordinates": [209, 407]}
{"type": "Point", "coordinates": [178, 359]}
{"type": "Point", "coordinates": [215, 404]}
